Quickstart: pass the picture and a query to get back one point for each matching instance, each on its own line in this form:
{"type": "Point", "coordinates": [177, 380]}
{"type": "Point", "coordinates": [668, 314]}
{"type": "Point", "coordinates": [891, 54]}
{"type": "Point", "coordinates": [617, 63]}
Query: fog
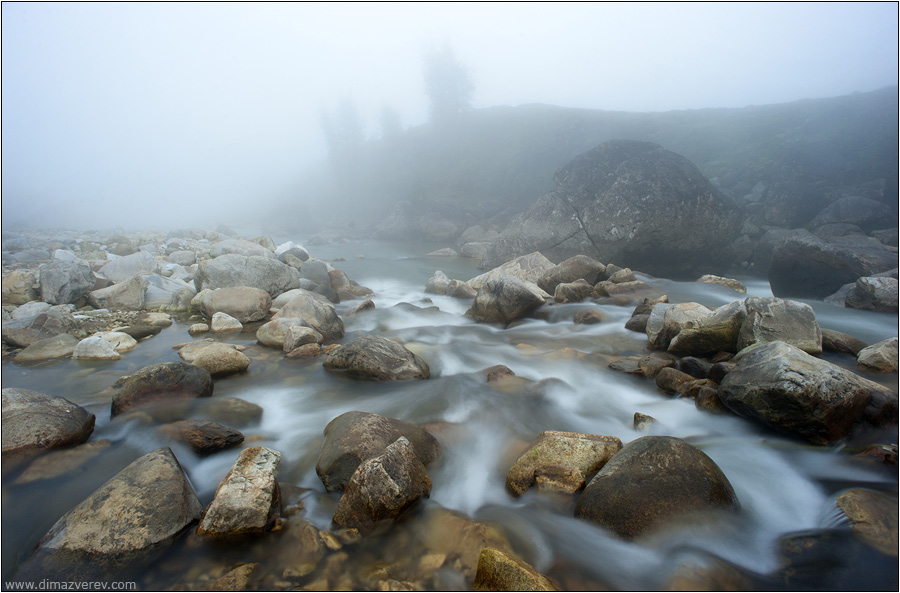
{"type": "Point", "coordinates": [150, 115]}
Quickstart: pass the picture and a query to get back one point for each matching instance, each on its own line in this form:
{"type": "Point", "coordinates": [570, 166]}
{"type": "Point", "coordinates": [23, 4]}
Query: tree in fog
{"type": "Point", "coordinates": [343, 136]}
{"type": "Point", "coordinates": [447, 85]}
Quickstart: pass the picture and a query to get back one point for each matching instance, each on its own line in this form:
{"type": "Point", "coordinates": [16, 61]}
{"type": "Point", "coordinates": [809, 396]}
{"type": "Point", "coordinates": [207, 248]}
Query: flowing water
{"type": "Point", "coordinates": [783, 486]}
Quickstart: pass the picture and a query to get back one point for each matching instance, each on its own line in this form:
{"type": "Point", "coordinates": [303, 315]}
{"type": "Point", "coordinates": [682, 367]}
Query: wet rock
{"type": "Point", "coordinates": [243, 303]}
{"type": "Point", "coordinates": [672, 380]}
{"type": "Point", "coordinates": [873, 518]}
{"type": "Point", "coordinates": [275, 333]}
{"type": "Point", "coordinates": [718, 576]}
{"type": "Point", "coordinates": [127, 295]}
{"type": "Point", "coordinates": [863, 212]}
{"type": "Point", "coordinates": [297, 336]}
{"type": "Point", "coordinates": [236, 579]}
{"type": "Point", "coordinates": [505, 299]}
{"type": "Point", "coordinates": [264, 273]}
{"type": "Point", "coordinates": [376, 358]}
{"type": "Point", "coordinates": [645, 307]}
{"type": "Point", "coordinates": [694, 367]}
{"type": "Point", "coordinates": [158, 383]}
{"type": "Point", "coordinates": [880, 357]}
{"type": "Point", "coordinates": [638, 323]}
{"type": "Point", "coordinates": [498, 571]}
{"type": "Point", "coordinates": [583, 453]}
{"type": "Point", "coordinates": [785, 388]}
{"type": "Point", "coordinates": [182, 258]}
{"type": "Point", "coordinates": [874, 294]}
{"type": "Point", "coordinates": [143, 506]}
{"type": "Point", "coordinates": [474, 249]}
{"type": "Point", "coordinates": [354, 437]}
{"type": "Point", "coordinates": [203, 436]}
{"type": "Point", "coordinates": [719, 370]}
{"type": "Point", "coordinates": [316, 270]}
{"type": "Point", "coordinates": [835, 341]}
{"type": "Point", "coordinates": [731, 283]}
{"type": "Point", "coordinates": [383, 487]}
{"type": "Point", "coordinates": [232, 411]}
{"type": "Point", "coordinates": [63, 282]}
{"type": "Point", "coordinates": [49, 348]}
{"type": "Point", "coordinates": [240, 247]}
{"type": "Point", "coordinates": [572, 292]}
{"type": "Point", "coordinates": [95, 348]}
{"type": "Point", "coordinates": [35, 421]}
{"type": "Point", "coordinates": [317, 314]}
{"type": "Point", "coordinates": [60, 462]}
{"type": "Point", "coordinates": [588, 317]}
{"type": "Point", "coordinates": [123, 268]}
{"type": "Point", "coordinates": [121, 341]}
{"type": "Point", "coordinates": [223, 322]}
{"type": "Point", "coordinates": [366, 305]}
{"type": "Point", "coordinates": [652, 481]}
{"type": "Point", "coordinates": [345, 287]}
{"type": "Point", "coordinates": [621, 276]}
{"type": "Point", "coordinates": [19, 287]}
{"type": "Point", "coordinates": [221, 360]}
{"type": "Point", "coordinates": [780, 320]}
{"type": "Point", "coordinates": [528, 268]}
{"type": "Point", "coordinates": [707, 398]}
{"type": "Point", "coordinates": [667, 320]}
{"type": "Point", "coordinates": [579, 267]}
{"type": "Point", "coordinates": [628, 291]}
{"type": "Point", "coordinates": [715, 332]}
{"type": "Point", "coordinates": [198, 328]}
{"type": "Point", "coordinates": [247, 500]}
{"type": "Point", "coordinates": [643, 422]}
{"type": "Point", "coordinates": [460, 290]}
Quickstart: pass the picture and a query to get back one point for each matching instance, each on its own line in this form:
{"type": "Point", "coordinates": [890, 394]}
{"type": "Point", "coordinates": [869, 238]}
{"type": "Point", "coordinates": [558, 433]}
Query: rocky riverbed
{"type": "Point", "coordinates": [199, 410]}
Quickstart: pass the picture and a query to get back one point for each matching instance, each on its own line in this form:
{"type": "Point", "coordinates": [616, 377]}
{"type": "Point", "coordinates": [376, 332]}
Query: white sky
{"type": "Point", "coordinates": [115, 112]}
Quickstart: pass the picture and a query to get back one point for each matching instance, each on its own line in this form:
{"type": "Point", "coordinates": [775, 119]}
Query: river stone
{"type": "Point", "coordinates": [123, 268]}
{"type": "Point", "coordinates": [230, 410]}
{"type": "Point", "coordinates": [275, 332]}
{"type": "Point", "coordinates": [588, 317]}
{"type": "Point", "coordinates": [353, 437]}
{"type": "Point", "coordinates": [672, 380]}
{"type": "Point", "coordinates": [652, 481]}
{"type": "Point", "coordinates": [572, 292]}
{"type": "Point", "coordinates": [25, 332]}
{"type": "Point", "coordinates": [232, 269]}
{"type": "Point", "coordinates": [145, 505]}
{"type": "Point", "coordinates": [203, 436]}
{"type": "Point", "coordinates": [459, 289]}
{"type": "Point", "coordinates": [667, 320]}
{"type": "Point", "coordinates": [579, 267]}
{"type": "Point", "coordinates": [158, 383]}
{"type": "Point", "coordinates": [223, 322]}
{"type": "Point", "coordinates": [437, 284]}
{"type": "Point", "coordinates": [63, 282]}
{"type": "Point", "coordinates": [383, 487]}
{"type": "Point", "coordinates": [36, 421]}
{"type": "Point", "coordinates": [240, 247]}
{"type": "Point", "coordinates": [835, 341]}
{"type": "Point", "coordinates": [584, 453]}
{"type": "Point", "coordinates": [316, 270]}
{"type": "Point", "coordinates": [221, 360]}
{"type": "Point", "coordinates": [780, 320]}
{"type": "Point", "coordinates": [622, 276]}
{"type": "Point", "coordinates": [717, 332]}
{"type": "Point", "coordinates": [247, 501]}
{"type": "Point", "coordinates": [243, 303]}
{"type": "Point", "coordinates": [731, 283]}
{"type": "Point", "coordinates": [499, 571]}
{"type": "Point", "coordinates": [631, 202]}
{"type": "Point", "coordinates": [474, 249]}
{"type": "Point", "coordinates": [182, 257]}
{"type": "Point", "coordinates": [874, 294]}
{"type": "Point", "coordinates": [873, 517]}
{"type": "Point", "coordinates": [376, 358]}
{"type": "Point", "coordinates": [189, 351]}
{"type": "Point", "coordinates": [506, 299]}
{"type": "Point", "coordinates": [19, 287]}
{"type": "Point", "coordinates": [31, 309]}
{"type": "Point", "coordinates": [529, 268]}
{"type": "Point", "coordinates": [880, 357]}
{"type": "Point", "coordinates": [127, 295]}
{"type": "Point", "coordinates": [317, 313]}
{"type": "Point", "coordinates": [297, 336]}
{"type": "Point", "coordinates": [345, 287]}
{"type": "Point", "coordinates": [785, 388]}
{"type": "Point", "coordinates": [60, 462]}
{"type": "Point", "coordinates": [120, 341]}
{"type": "Point", "coordinates": [95, 348]}
{"type": "Point", "coordinates": [49, 348]}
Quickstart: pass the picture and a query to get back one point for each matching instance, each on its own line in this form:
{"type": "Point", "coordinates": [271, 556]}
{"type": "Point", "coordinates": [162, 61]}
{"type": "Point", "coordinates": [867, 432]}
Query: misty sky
{"type": "Point", "coordinates": [191, 114]}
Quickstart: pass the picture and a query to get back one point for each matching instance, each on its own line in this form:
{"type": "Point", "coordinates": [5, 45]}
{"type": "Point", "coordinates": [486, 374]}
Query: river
{"type": "Point", "coordinates": [783, 485]}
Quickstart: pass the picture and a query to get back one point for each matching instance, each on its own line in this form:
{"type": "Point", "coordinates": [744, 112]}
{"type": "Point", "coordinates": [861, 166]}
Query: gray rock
{"type": "Point", "coordinates": [862, 212]}
{"type": "Point", "coordinates": [221, 360]}
{"type": "Point", "coordinates": [47, 349]}
{"type": "Point", "coordinates": [383, 487]}
{"type": "Point", "coordinates": [880, 357]}
{"type": "Point", "coordinates": [316, 313]}
{"type": "Point", "coordinates": [717, 332]}
{"type": "Point", "coordinates": [95, 348]}
{"type": "Point", "coordinates": [316, 270]}
{"type": "Point", "coordinates": [265, 273]}
{"type": "Point", "coordinates": [160, 383]}
{"type": "Point", "coordinates": [31, 309]}
{"type": "Point", "coordinates": [203, 436]}
{"type": "Point", "coordinates": [182, 258]}
{"type": "Point", "coordinates": [275, 332]}
{"type": "Point", "coordinates": [223, 322]}
{"type": "Point", "coordinates": [787, 389]}
{"type": "Point", "coordinates": [247, 500]}
{"type": "Point", "coordinates": [874, 294]}
{"type": "Point", "coordinates": [780, 320]}
{"type": "Point", "coordinates": [631, 202]}
{"type": "Point", "coordinates": [161, 291]}
{"type": "Point", "coordinates": [240, 247]}
{"type": "Point", "coordinates": [124, 296]}
{"type": "Point", "coordinates": [437, 284]}
{"type": "Point", "coordinates": [244, 303]}
{"type": "Point", "coordinates": [651, 482]}
{"type": "Point", "coordinates": [572, 292]}
{"type": "Point", "coordinates": [474, 249]}
{"type": "Point", "coordinates": [25, 332]}
{"type": "Point", "coordinates": [63, 282]}
{"type": "Point", "coordinates": [297, 336]}
{"type": "Point", "coordinates": [506, 299]}
{"type": "Point", "coordinates": [835, 341]}
{"type": "Point", "coordinates": [36, 421]}
{"type": "Point", "coordinates": [579, 267]}
{"type": "Point", "coordinates": [529, 268]}
{"type": "Point", "coordinates": [19, 287]}
{"type": "Point", "coordinates": [376, 358]}
{"type": "Point", "coordinates": [667, 320]}
{"type": "Point", "coordinates": [123, 268]}
{"type": "Point", "coordinates": [354, 437]}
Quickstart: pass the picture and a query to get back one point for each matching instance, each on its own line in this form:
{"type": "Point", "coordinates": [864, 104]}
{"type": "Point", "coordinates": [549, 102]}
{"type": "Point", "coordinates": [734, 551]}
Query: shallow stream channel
{"type": "Point", "coordinates": [785, 487]}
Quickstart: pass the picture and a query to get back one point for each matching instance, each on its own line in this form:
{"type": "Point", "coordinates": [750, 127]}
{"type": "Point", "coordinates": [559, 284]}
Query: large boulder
{"type": "Point", "coordinates": [63, 282]}
{"type": "Point", "coordinates": [353, 437]}
{"type": "Point", "coordinates": [874, 294]}
{"type": "Point", "coordinates": [785, 388]}
{"type": "Point", "coordinates": [805, 266]}
{"type": "Point", "coordinates": [774, 320]}
{"type": "Point", "coordinates": [127, 295]}
{"type": "Point", "coordinates": [240, 247]}
{"type": "Point", "coordinates": [143, 507]}
{"type": "Point", "coordinates": [376, 358]}
{"type": "Point", "coordinates": [667, 320]}
{"type": "Point", "coordinates": [383, 487]}
{"type": "Point", "coordinates": [865, 213]}
{"type": "Point", "coordinates": [506, 299]}
{"type": "Point", "coordinates": [49, 348]}
{"type": "Point", "coordinates": [530, 268]}
{"type": "Point", "coordinates": [34, 421]}
{"type": "Point", "coordinates": [652, 481]}
{"type": "Point", "coordinates": [247, 500]}
{"type": "Point", "coordinates": [631, 202]}
{"type": "Point", "coordinates": [316, 313]}
{"type": "Point", "coordinates": [232, 269]}
{"type": "Point", "coordinates": [244, 303]}
{"type": "Point", "coordinates": [716, 332]}
{"type": "Point", "coordinates": [123, 268]}
{"type": "Point", "coordinates": [579, 267]}
{"type": "Point", "coordinates": [28, 330]}
{"type": "Point", "coordinates": [19, 287]}
{"type": "Point", "coordinates": [158, 383]}
{"type": "Point", "coordinates": [880, 357]}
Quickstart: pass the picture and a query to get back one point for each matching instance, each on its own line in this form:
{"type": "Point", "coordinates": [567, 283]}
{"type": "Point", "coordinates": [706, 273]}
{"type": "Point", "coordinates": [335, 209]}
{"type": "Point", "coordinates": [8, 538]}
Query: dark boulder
{"type": "Point", "coordinates": [505, 299]}
{"type": "Point", "coordinates": [158, 383]}
{"type": "Point", "coordinates": [35, 421]}
{"type": "Point", "coordinates": [863, 212]}
{"type": "Point", "coordinates": [377, 358]}
{"type": "Point", "coordinates": [631, 202]}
